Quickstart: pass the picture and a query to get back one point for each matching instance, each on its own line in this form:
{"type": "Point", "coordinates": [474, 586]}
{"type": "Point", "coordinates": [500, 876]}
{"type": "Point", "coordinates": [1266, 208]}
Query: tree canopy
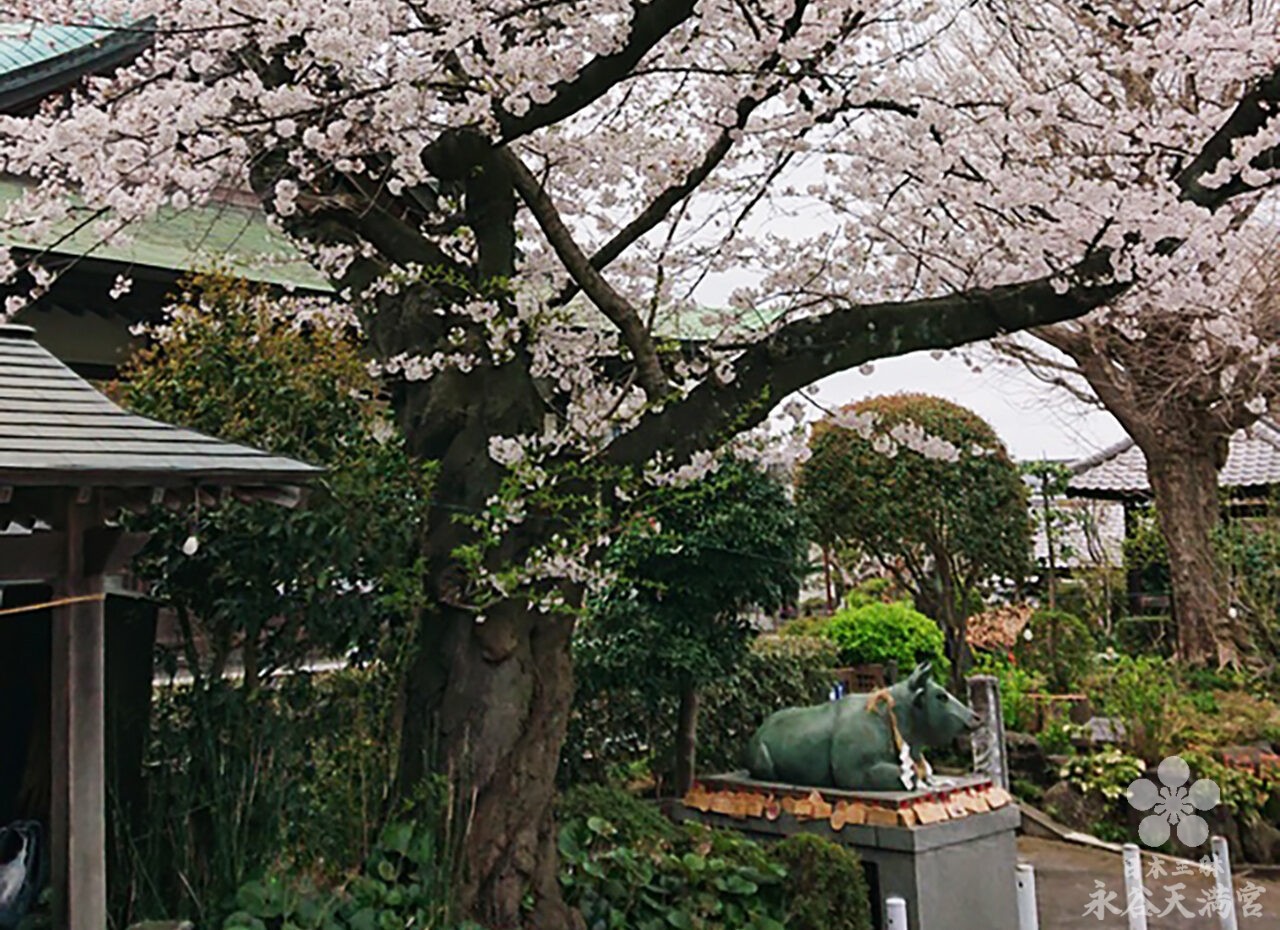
{"type": "Point", "coordinates": [681, 577]}
{"type": "Point", "coordinates": [926, 488]}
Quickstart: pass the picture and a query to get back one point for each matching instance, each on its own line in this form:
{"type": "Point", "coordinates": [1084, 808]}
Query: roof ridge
{"type": "Point", "coordinates": [1097, 458]}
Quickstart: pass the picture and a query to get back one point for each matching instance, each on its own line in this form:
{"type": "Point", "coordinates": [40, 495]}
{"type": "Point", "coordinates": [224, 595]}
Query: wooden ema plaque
{"type": "Point", "coordinates": [923, 810]}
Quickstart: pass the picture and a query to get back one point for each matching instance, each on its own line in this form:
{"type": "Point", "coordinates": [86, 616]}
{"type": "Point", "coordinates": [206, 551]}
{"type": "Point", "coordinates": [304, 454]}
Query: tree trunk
{"type": "Point", "coordinates": [1185, 488]}
{"type": "Point", "coordinates": [687, 740]}
{"type": "Point", "coordinates": [487, 704]}
{"type": "Point", "coordinates": [487, 700]}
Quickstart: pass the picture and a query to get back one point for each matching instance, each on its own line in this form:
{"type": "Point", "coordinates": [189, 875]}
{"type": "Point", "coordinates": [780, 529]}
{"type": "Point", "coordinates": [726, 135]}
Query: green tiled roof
{"type": "Point", "coordinates": [23, 45]}
{"type": "Point", "coordinates": [37, 59]}
{"type": "Point", "coordinates": [233, 238]}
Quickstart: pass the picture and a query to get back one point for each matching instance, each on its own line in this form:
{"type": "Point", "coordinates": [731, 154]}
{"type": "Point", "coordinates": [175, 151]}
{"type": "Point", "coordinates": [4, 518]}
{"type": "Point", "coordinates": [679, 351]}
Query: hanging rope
{"type": "Point", "coordinates": [885, 696]}
{"type": "Point", "coordinates": [59, 602]}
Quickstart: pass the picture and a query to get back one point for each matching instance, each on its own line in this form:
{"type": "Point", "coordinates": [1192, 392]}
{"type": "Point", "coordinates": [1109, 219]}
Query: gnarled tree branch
{"type": "Point", "coordinates": [618, 309]}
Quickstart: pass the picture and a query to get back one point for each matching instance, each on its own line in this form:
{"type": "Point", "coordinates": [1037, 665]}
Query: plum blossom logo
{"type": "Point", "coordinates": [1173, 804]}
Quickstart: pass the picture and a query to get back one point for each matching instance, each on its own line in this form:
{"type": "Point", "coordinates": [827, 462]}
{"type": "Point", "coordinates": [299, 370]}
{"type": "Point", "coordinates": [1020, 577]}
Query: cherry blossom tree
{"type": "Point", "coordinates": [530, 204]}
{"type": "Point", "coordinates": [1188, 359]}
{"type": "Point", "coordinates": [1181, 379]}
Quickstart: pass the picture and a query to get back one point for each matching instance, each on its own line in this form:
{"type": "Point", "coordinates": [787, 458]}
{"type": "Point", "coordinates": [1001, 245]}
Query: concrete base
{"type": "Point", "coordinates": [954, 875]}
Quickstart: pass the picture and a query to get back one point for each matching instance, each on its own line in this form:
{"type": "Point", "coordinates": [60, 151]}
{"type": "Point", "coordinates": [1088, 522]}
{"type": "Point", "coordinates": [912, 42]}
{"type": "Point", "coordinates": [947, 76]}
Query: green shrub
{"type": "Point", "coordinates": [618, 736]}
{"type": "Point", "coordinates": [623, 869]}
{"type": "Point", "coordinates": [299, 772]}
{"type": "Point", "coordinates": [883, 633]}
{"type": "Point", "coordinates": [704, 878]}
{"type": "Point", "coordinates": [1108, 772]}
{"type": "Point", "coordinates": [634, 820]}
{"type": "Point", "coordinates": [1016, 683]}
{"type": "Point", "coordinates": [826, 888]}
{"type": "Point", "coordinates": [408, 882]}
{"type": "Point", "coordinates": [1145, 694]}
{"type": "Point", "coordinates": [871, 591]}
{"type": "Point", "coordinates": [805, 626]}
{"type": "Point", "coordinates": [1061, 648]}
{"type": "Point", "coordinates": [1145, 635]}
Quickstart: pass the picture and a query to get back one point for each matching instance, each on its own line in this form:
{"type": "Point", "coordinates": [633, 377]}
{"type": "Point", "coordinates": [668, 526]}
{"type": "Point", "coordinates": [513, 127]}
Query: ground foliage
{"type": "Point", "coordinates": [626, 870]}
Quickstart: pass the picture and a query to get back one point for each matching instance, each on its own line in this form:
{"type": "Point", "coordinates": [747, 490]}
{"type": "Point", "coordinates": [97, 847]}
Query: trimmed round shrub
{"type": "Point", "coordinates": [825, 888]}
{"type": "Point", "coordinates": [884, 633]}
{"type": "Point", "coordinates": [1061, 648]}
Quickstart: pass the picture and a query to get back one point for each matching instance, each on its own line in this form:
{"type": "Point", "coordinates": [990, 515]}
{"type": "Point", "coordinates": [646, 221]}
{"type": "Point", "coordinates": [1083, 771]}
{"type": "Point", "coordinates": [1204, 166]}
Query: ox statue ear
{"type": "Point", "coordinates": [919, 676]}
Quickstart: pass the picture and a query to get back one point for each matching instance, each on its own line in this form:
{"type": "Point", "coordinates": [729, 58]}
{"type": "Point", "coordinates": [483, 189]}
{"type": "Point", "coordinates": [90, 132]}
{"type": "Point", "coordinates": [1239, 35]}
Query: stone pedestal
{"type": "Point", "coordinates": [954, 874]}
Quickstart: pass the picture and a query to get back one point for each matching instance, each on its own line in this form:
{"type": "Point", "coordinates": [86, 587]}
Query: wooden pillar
{"type": "Point", "coordinates": [78, 814]}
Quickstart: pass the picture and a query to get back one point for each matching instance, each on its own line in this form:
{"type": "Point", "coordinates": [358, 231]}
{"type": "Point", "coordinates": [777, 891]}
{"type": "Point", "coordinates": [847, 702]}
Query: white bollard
{"type": "Point", "coordinates": [1225, 897]}
{"type": "Point", "coordinates": [1028, 919]}
{"type": "Point", "coordinates": [1134, 898]}
{"type": "Point", "coordinates": [895, 914]}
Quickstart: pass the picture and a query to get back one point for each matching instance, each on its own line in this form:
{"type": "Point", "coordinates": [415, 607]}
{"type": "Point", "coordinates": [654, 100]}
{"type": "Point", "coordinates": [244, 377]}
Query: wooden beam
{"type": "Point", "coordinates": [109, 549]}
{"type": "Point", "coordinates": [78, 815]}
{"type": "Point", "coordinates": [38, 556]}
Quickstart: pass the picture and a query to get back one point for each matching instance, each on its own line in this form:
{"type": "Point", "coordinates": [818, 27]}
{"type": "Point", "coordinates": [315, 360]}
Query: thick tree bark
{"type": "Point", "coordinates": [1185, 488]}
{"type": "Point", "coordinates": [487, 704]}
{"type": "Point", "coordinates": [487, 696]}
{"type": "Point", "coordinates": [687, 740]}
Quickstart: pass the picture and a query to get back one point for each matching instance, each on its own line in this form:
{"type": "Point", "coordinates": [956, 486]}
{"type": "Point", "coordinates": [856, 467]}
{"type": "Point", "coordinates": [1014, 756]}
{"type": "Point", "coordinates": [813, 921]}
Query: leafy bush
{"type": "Point", "coordinates": [407, 882]}
{"type": "Point", "coordinates": [617, 735]}
{"type": "Point", "coordinates": [633, 820]}
{"type": "Point", "coordinates": [624, 870]}
{"type": "Point", "coordinates": [871, 591]}
{"type": "Point", "coordinates": [1145, 695]}
{"type": "Point", "coordinates": [1230, 718]}
{"type": "Point", "coordinates": [300, 773]}
{"type": "Point", "coordinates": [1016, 683]}
{"type": "Point", "coordinates": [883, 633]}
{"type": "Point", "coordinates": [805, 626]}
{"type": "Point", "coordinates": [704, 878]}
{"type": "Point", "coordinates": [1108, 773]}
{"type": "Point", "coordinates": [826, 888]}
{"type": "Point", "coordinates": [1061, 648]}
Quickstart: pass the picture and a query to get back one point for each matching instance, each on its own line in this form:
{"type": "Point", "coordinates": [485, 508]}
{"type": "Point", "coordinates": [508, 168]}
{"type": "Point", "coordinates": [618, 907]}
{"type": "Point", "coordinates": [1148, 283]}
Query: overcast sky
{"type": "Point", "coordinates": [1034, 420]}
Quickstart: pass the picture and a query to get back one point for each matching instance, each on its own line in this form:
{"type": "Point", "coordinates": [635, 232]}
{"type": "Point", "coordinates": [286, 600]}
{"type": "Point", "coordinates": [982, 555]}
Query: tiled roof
{"type": "Point", "coordinates": [1121, 471]}
{"type": "Point", "coordinates": [56, 429]}
{"type": "Point", "coordinates": [228, 236]}
{"type": "Point", "coordinates": [37, 59]}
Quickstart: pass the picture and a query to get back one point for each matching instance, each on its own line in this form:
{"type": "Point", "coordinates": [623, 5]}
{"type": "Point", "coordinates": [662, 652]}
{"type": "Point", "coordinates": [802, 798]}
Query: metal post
{"type": "Point", "coordinates": [895, 913]}
{"type": "Point", "coordinates": [990, 755]}
{"type": "Point", "coordinates": [1225, 892]}
{"type": "Point", "coordinates": [1028, 919]}
{"type": "Point", "coordinates": [1135, 898]}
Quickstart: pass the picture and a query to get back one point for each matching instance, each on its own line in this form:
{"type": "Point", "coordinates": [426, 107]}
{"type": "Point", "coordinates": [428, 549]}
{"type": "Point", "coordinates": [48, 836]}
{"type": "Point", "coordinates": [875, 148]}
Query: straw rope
{"type": "Point", "coordinates": [59, 602]}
